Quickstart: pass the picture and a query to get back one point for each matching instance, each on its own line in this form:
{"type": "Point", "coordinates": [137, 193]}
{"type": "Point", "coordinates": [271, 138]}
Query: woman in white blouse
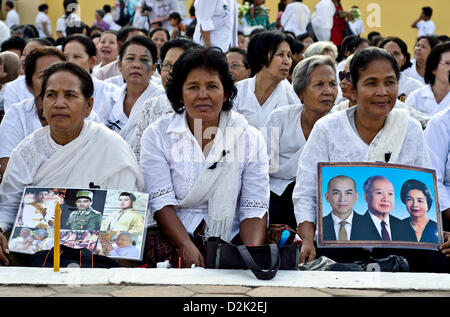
{"type": "Point", "coordinates": [205, 167]}
{"type": "Point", "coordinates": [398, 48]}
{"type": "Point", "coordinates": [269, 55]}
{"type": "Point", "coordinates": [435, 95]}
{"type": "Point", "coordinates": [423, 48]}
{"type": "Point", "coordinates": [365, 132]}
{"type": "Point", "coordinates": [289, 127]}
{"type": "Point", "coordinates": [137, 62]}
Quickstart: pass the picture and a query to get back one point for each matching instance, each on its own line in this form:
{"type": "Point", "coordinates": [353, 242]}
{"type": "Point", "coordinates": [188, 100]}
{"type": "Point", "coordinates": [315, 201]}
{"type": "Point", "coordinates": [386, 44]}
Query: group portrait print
{"type": "Point", "coordinates": [378, 205]}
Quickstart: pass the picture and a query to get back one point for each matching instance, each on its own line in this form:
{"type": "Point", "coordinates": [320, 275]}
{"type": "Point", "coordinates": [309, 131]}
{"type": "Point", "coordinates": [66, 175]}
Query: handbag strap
{"type": "Point", "coordinates": [262, 274]}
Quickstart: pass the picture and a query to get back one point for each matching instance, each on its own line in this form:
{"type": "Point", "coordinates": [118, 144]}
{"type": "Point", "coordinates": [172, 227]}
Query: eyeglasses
{"type": "Point", "coordinates": [236, 65]}
{"type": "Point", "coordinates": [166, 67]}
{"type": "Point", "coordinates": [346, 75]}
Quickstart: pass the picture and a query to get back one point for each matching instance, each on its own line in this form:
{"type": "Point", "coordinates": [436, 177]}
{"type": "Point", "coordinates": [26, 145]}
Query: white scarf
{"type": "Point", "coordinates": [390, 138]}
{"type": "Point", "coordinates": [219, 185]}
{"type": "Point", "coordinates": [83, 160]}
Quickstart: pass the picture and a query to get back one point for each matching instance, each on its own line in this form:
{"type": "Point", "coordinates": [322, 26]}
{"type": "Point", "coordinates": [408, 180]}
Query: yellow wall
{"type": "Point", "coordinates": [395, 16]}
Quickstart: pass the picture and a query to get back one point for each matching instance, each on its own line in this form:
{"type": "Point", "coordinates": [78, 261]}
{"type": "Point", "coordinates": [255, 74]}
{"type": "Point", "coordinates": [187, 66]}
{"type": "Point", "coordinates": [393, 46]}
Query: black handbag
{"type": "Point", "coordinates": [83, 258]}
{"type": "Point", "coordinates": [264, 261]}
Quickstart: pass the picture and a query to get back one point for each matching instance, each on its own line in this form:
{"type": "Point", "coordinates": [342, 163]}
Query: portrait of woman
{"type": "Point", "coordinates": [418, 200]}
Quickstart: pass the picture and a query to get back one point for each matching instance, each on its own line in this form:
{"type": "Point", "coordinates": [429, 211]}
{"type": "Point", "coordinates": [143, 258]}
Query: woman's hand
{"type": "Point", "coordinates": [189, 255]}
{"type": "Point", "coordinates": [306, 230]}
{"type": "Point", "coordinates": [307, 252]}
{"type": "Point", "coordinates": [445, 247]}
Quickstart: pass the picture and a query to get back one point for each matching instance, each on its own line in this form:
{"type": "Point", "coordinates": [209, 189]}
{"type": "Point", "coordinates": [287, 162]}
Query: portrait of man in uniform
{"type": "Point", "coordinates": [85, 217]}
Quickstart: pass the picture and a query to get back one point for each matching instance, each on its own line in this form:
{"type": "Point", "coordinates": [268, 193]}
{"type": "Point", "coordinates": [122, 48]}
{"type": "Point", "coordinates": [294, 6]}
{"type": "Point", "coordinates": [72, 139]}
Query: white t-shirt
{"type": "Point", "coordinates": [406, 85]}
{"type": "Point", "coordinates": [219, 19]}
{"type": "Point", "coordinates": [357, 27]}
{"type": "Point", "coordinates": [39, 22]}
{"type": "Point", "coordinates": [161, 8]}
{"type": "Point", "coordinates": [425, 28]}
{"type": "Point", "coordinates": [412, 72]}
{"type": "Point", "coordinates": [424, 101]}
{"type": "Point", "coordinates": [12, 18]}
{"type": "Point", "coordinates": [295, 18]}
{"type": "Point", "coordinates": [322, 19]}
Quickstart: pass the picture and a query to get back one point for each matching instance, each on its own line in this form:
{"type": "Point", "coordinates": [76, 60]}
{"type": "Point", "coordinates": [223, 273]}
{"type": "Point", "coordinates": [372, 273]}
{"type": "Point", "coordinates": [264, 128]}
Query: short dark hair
{"type": "Point", "coordinates": [262, 47]}
{"type": "Point", "coordinates": [242, 52]}
{"type": "Point", "coordinates": [31, 59]}
{"type": "Point", "coordinates": [177, 42]}
{"type": "Point", "coordinates": [143, 41]}
{"type": "Point", "coordinates": [211, 59]}
{"type": "Point", "coordinates": [443, 38]}
{"type": "Point", "coordinates": [13, 43]}
{"type": "Point", "coordinates": [9, 4]}
{"type": "Point", "coordinates": [303, 36]}
{"type": "Point", "coordinates": [363, 58]}
{"type": "Point", "coordinates": [176, 16]}
{"type": "Point", "coordinates": [43, 42]}
{"type": "Point", "coordinates": [428, 11]}
{"type": "Point", "coordinates": [411, 184]}
{"type": "Point", "coordinates": [432, 40]}
{"type": "Point", "coordinates": [89, 46]}
{"type": "Point", "coordinates": [122, 35]}
{"type": "Point", "coordinates": [403, 48]}
{"type": "Point", "coordinates": [159, 29]}
{"type": "Point", "coordinates": [87, 86]}
{"type": "Point", "coordinates": [96, 27]}
{"type": "Point", "coordinates": [131, 195]}
{"type": "Point", "coordinates": [433, 61]}
{"type": "Point", "coordinates": [107, 8]}
{"type": "Point", "coordinates": [373, 34]}
{"type": "Point", "coordinates": [297, 46]}
{"type": "Point", "coordinates": [66, 4]}
{"type": "Point", "coordinates": [100, 12]}
{"type": "Point", "coordinates": [43, 7]}
{"type": "Point", "coordinates": [77, 29]}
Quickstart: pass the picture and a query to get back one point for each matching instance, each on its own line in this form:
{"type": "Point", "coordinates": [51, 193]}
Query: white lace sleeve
{"type": "Point", "coordinates": [255, 193]}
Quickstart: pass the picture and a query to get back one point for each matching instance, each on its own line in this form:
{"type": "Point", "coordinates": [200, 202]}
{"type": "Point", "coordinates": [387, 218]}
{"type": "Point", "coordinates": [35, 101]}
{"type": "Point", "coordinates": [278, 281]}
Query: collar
{"type": "Point", "coordinates": [377, 220]}
{"type": "Point", "coordinates": [426, 91]}
{"type": "Point", "coordinates": [337, 220]}
{"type": "Point", "coordinates": [178, 124]}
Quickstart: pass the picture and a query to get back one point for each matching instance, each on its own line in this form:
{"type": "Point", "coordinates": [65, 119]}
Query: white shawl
{"type": "Point", "coordinates": [96, 155]}
{"type": "Point", "coordinates": [219, 185]}
{"type": "Point", "coordinates": [390, 138]}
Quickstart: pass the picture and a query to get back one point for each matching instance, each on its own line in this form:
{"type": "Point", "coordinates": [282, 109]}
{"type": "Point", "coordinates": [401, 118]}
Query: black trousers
{"type": "Point", "coordinates": [281, 208]}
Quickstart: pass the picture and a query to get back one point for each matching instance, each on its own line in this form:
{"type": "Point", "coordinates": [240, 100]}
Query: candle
{"type": "Point", "coordinates": [56, 238]}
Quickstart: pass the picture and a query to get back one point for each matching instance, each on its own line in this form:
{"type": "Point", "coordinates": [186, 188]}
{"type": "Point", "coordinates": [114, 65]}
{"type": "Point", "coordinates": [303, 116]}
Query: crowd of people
{"type": "Point", "coordinates": [222, 118]}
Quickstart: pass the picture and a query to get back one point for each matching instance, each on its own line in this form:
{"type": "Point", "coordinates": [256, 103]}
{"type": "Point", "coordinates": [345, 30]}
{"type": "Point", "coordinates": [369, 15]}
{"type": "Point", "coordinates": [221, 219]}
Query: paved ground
{"type": "Point", "coordinates": [187, 291]}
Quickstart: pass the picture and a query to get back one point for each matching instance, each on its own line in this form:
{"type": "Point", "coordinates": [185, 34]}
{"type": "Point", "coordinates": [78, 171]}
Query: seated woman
{"type": "Point", "coordinates": [205, 167]}
{"type": "Point", "coordinates": [398, 48]}
{"type": "Point", "coordinates": [51, 156]}
{"type": "Point", "coordinates": [25, 117]}
{"type": "Point", "coordinates": [423, 48]}
{"type": "Point", "coordinates": [418, 200]}
{"type": "Point", "coordinates": [137, 62]}
{"type": "Point", "coordinates": [269, 54]}
{"type": "Point", "coordinates": [372, 128]}
{"type": "Point", "coordinates": [156, 107]}
{"type": "Point", "coordinates": [290, 126]}
{"type": "Point", "coordinates": [80, 50]}
{"type": "Point", "coordinates": [345, 83]}
{"type": "Point", "coordinates": [435, 95]}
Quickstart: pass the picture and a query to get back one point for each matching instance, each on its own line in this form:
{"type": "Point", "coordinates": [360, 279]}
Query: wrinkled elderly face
{"type": "Point", "coordinates": [380, 198]}
{"type": "Point", "coordinates": [123, 241]}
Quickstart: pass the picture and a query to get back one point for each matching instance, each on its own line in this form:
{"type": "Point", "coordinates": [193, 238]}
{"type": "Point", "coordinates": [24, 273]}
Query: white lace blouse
{"type": "Point", "coordinates": [172, 160]}
{"type": "Point", "coordinates": [333, 139]}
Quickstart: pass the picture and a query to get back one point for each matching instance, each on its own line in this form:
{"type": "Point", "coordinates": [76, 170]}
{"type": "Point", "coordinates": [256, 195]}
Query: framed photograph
{"type": "Point", "coordinates": [378, 205]}
{"type": "Point", "coordinates": [107, 222]}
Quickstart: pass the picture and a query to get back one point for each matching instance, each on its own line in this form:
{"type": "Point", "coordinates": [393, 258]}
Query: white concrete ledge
{"type": "Point", "coordinates": [138, 276]}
